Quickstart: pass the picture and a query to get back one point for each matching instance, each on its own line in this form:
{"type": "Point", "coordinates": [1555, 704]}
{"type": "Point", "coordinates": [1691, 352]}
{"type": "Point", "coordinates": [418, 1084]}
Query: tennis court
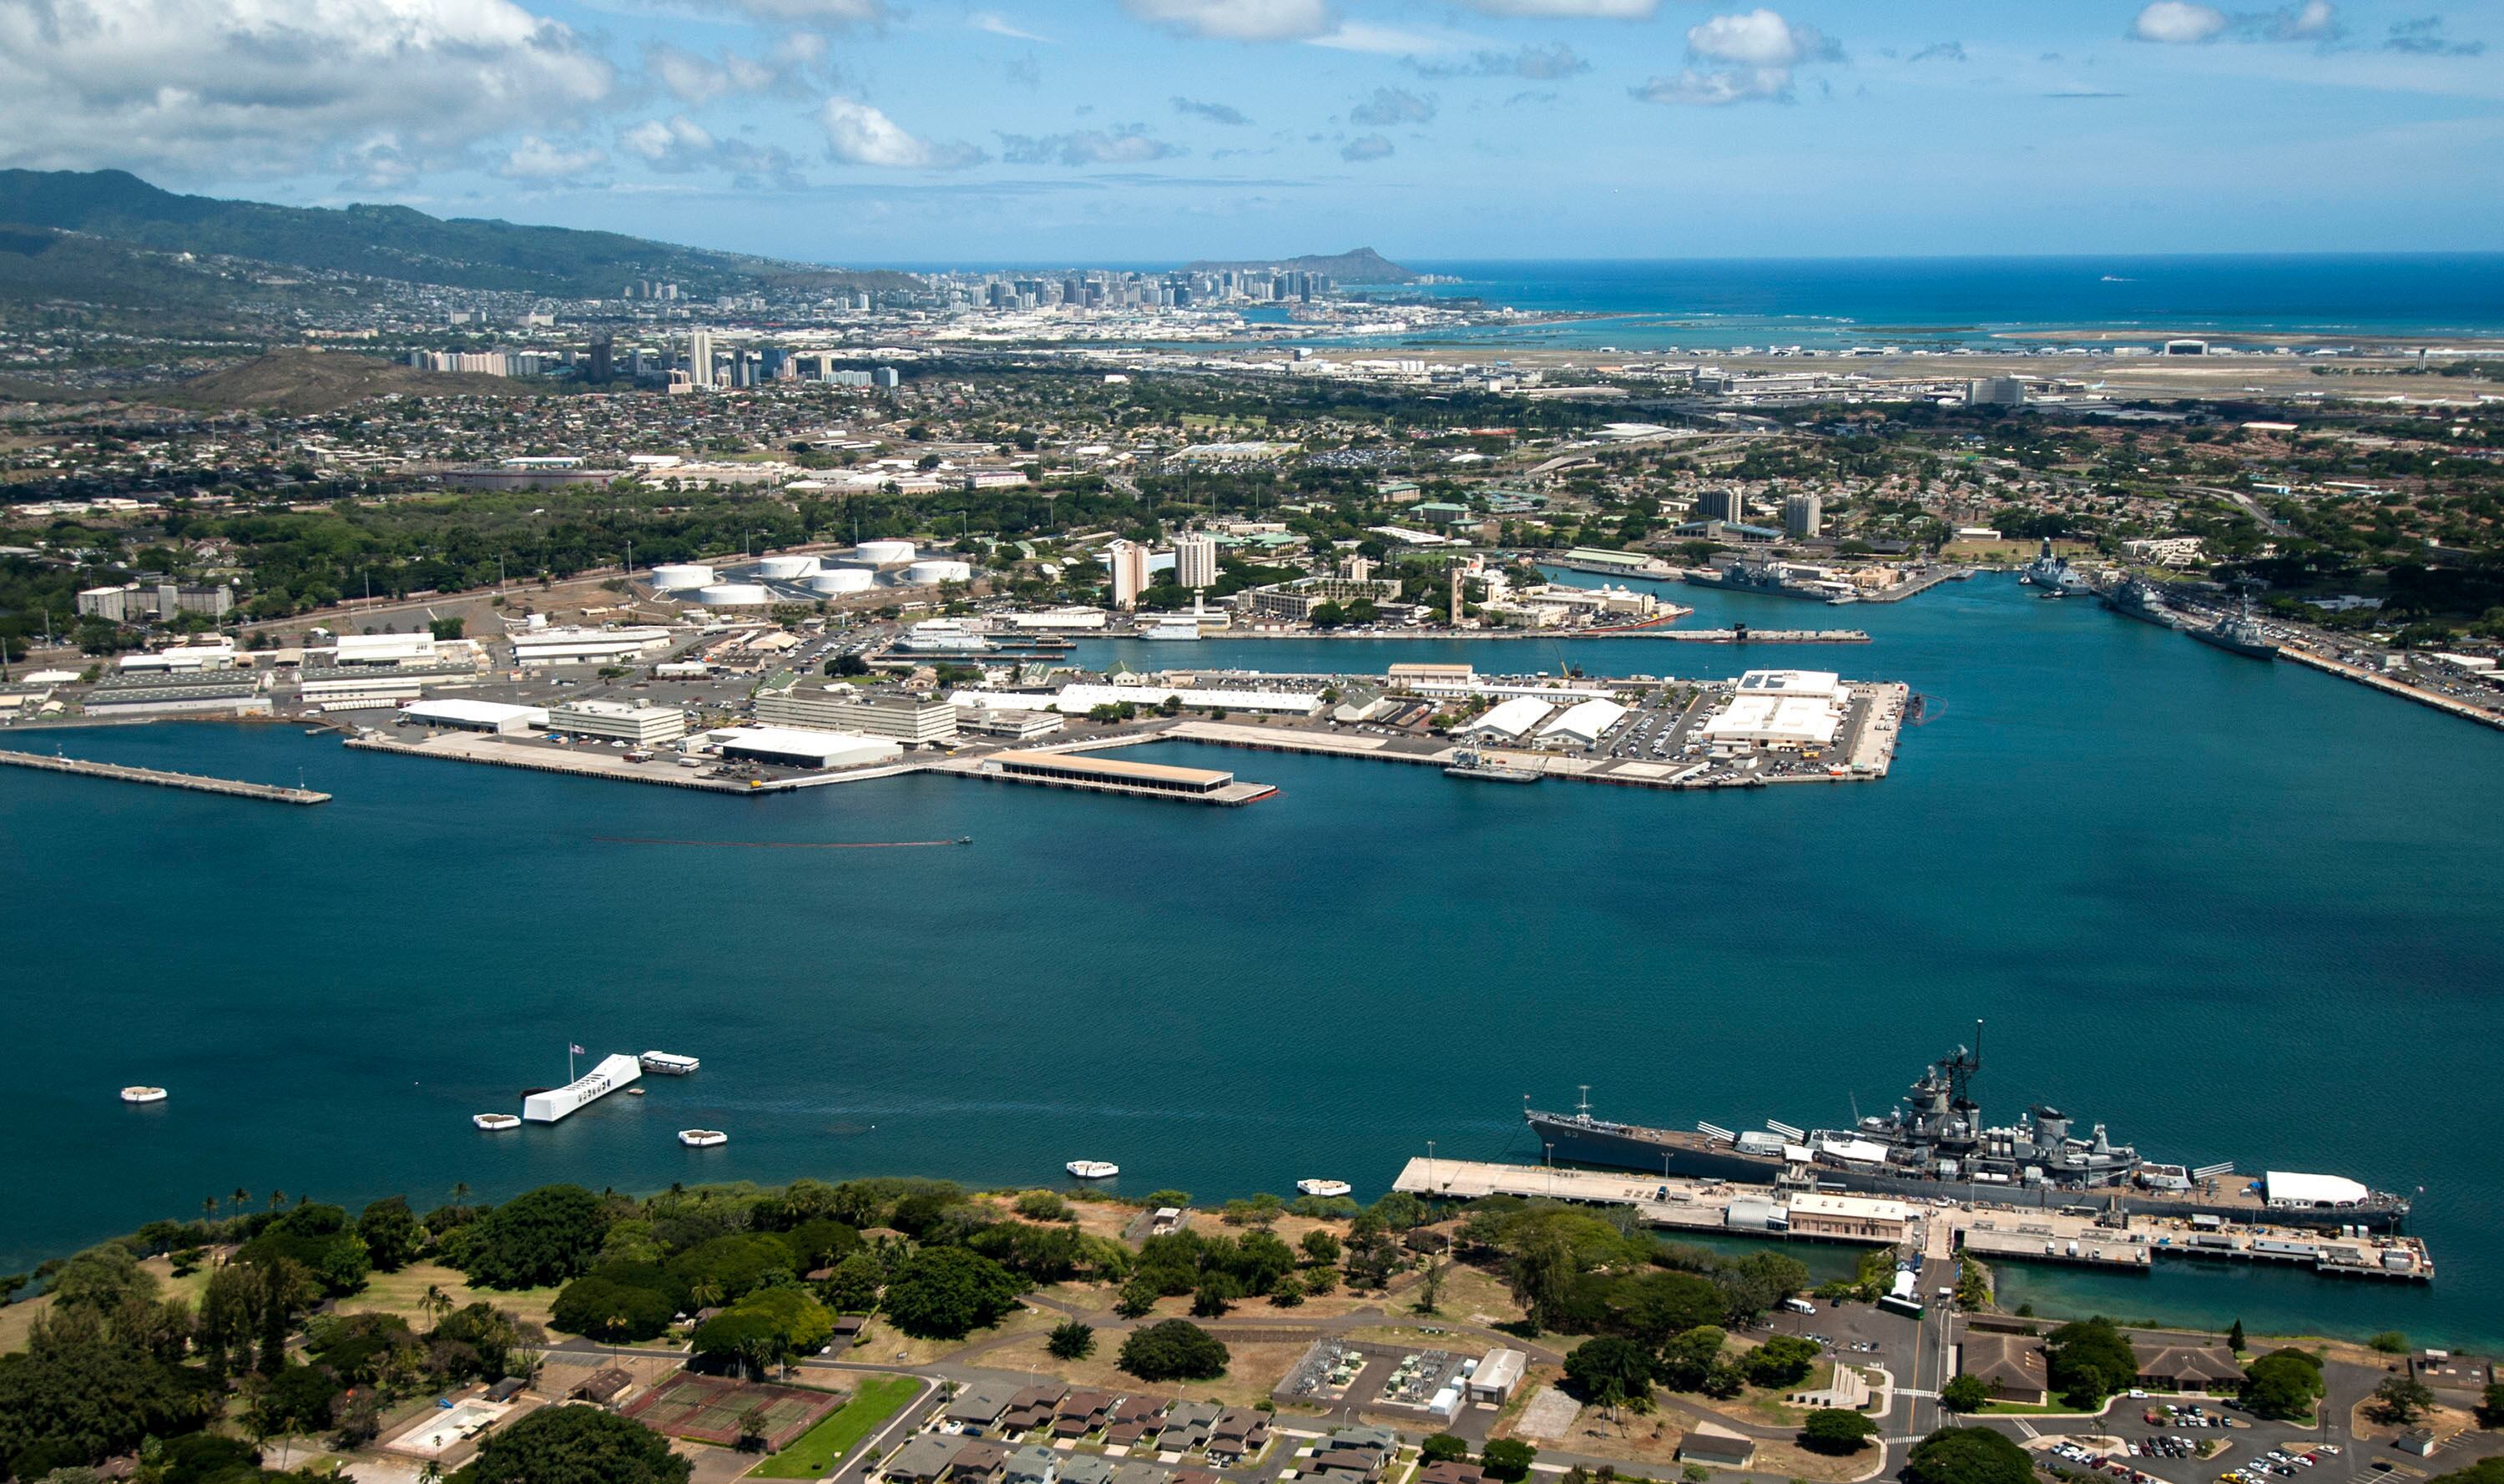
{"type": "Point", "coordinates": [709, 1409]}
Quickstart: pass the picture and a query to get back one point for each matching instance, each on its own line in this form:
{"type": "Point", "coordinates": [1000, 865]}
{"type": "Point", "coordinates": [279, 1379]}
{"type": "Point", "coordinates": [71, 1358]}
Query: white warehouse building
{"type": "Point", "coordinates": [587, 646]}
{"type": "Point", "coordinates": [644, 726]}
{"type": "Point", "coordinates": [1781, 708]}
{"type": "Point", "coordinates": [1512, 719]}
{"type": "Point", "coordinates": [1585, 723]}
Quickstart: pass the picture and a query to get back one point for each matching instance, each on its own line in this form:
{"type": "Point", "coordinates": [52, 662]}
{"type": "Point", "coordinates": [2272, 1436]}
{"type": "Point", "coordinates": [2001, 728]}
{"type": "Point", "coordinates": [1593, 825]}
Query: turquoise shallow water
{"type": "Point", "coordinates": [2236, 911]}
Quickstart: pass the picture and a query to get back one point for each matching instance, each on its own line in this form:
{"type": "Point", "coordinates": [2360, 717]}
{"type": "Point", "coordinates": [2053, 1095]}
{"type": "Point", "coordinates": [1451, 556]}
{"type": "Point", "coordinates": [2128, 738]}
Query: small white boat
{"type": "Point", "coordinates": [669, 1063]}
{"type": "Point", "coordinates": [143, 1094]}
{"type": "Point", "coordinates": [1091, 1169]}
{"type": "Point", "coordinates": [1323, 1186]}
{"type": "Point", "coordinates": [496, 1122]}
{"type": "Point", "coordinates": [701, 1138]}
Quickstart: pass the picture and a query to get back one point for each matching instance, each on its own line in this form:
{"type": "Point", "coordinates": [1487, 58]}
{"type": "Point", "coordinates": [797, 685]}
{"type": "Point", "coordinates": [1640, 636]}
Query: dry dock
{"type": "Point", "coordinates": [231, 787]}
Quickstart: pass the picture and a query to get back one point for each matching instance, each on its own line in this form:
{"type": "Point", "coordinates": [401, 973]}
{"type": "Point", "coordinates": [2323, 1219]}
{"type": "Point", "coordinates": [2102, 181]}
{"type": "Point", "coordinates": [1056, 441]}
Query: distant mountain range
{"type": "Point", "coordinates": [394, 242]}
{"type": "Point", "coordinates": [1357, 265]}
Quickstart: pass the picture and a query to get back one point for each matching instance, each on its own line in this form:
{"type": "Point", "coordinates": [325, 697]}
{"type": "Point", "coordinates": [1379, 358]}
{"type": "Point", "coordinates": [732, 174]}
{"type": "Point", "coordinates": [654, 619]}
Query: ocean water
{"type": "Point", "coordinates": [2236, 911]}
{"type": "Point", "coordinates": [2309, 300]}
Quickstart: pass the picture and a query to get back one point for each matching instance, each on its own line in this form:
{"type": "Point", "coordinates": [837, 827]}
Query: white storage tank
{"type": "Point", "coordinates": [932, 569]}
{"type": "Point", "coordinates": [679, 577]}
{"type": "Point", "coordinates": [734, 594]}
{"type": "Point", "coordinates": [787, 569]}
{"type": "Point", "coordinates": [884, 553]}
{"type": "Point", "coordinates": [843, 579]}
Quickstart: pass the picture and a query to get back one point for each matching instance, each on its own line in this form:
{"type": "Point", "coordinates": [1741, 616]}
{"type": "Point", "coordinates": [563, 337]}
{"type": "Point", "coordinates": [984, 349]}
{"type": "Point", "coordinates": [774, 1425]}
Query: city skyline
{"type": "Point", "coordinates": [857, 131]}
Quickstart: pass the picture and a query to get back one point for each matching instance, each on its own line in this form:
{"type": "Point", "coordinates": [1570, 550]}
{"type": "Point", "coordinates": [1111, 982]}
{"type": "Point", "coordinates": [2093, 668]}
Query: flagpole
{"type": "Point", "coordinates": [569, 1062]}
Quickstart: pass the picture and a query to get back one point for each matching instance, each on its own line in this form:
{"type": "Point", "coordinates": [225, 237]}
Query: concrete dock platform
{"type": "Point", "coordinates": [121, 773]}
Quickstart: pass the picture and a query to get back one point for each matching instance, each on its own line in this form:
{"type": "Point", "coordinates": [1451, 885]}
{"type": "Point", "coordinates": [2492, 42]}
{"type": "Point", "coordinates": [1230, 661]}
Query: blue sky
{"type": "Point", "coordinates": [903, 132]}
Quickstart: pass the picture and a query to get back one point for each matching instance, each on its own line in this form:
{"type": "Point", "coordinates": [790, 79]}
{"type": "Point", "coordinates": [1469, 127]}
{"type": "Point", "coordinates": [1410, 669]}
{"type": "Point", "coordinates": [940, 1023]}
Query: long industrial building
{"type": "Point", "coordinates": [1079, 768]}
{"type": "Point", "coordinates": [795, 747]}
{"type": "Point", "coordinates": [646, 726]}
{"type": "Point", "coordinates": [920, 720]}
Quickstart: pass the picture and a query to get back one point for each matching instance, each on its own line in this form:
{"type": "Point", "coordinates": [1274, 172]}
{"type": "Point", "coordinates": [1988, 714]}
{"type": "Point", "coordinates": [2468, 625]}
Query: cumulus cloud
{"type": "Point", "coordinates": [1391, 105]}
{"type": "Point", "coordinates": [1365, 147]}
{"type": "Point", "coordinates": [1129, 145]}
{"type": "Point", "coordinates": [2186, 23]}
{"type": "Point", "coordinates": [699, 79]}
{"type": "Point", "coordinates": [2179, 23]}
{"type": "Point", "coordinates": [538, 159]}
{"type": "Point", "coordinates": [1538, 63]}
{"type": "Point", "coordinates": [1939, 51]}
{"type": "Point", "coordinates": [378, 87]}
{"type": "Point", "coordinates": [858, 134]}
{"type": "Point", "coordinates": [1741, 58]}
{"type": "Point", "coordinates": [1214, 113]}
{"type": "Point", "coordinates": [1236, 19]}
{"type": "Point", "coordinates": [679, 145]}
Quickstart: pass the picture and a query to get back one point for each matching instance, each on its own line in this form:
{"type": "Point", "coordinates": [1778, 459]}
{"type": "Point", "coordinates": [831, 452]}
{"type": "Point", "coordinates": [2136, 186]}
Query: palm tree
{"type": "Point", "coordinates": [438, 1304]}
{"type": "Point", "coordinates": [431, 1473]}
{"type": "Point", "coordinates": [460, 1192]}
{"type": "Point", "coordinates": [241, 1195]}
{"type": "Point", "coordinates": [277, 1198]}
{"type": "Point", "coordinates": [706, 1291]}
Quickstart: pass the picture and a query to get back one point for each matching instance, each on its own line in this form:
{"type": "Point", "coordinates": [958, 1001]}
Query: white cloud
{"type": "Point", "coordinates": [2178, 22]}
{"type": "Point", "coordinates": [859, 134]}
{"type": "Point", "coordinates": [1574, 10]}
{"type": "Point", "coordinates": [1744, 57]}
{"type": "Point", "coordinates": [1000, 26]}
{"type": "Point", "coordinates": [383, 87]}
{"type": "Point", "coordinates": [1365, 147]}
{"type": "Point", "coordinates": [537, 159]}
{"type": "Point", "coordinates": [1544, 64]}
{"type": "Point", "coordinates": [1757, 38]}
{"type": "Point", "coordinates": [1215, 113]}
{"type": "Point", "coordinates": [1129, 145]}
{"type": "Point", "coordinates": [676, 143]}
{"type": "Point", "coordinates": [2315, 17]}
{"type": "Point", "coordinates": [1393, 105]}
{"type": "Point", "coordinates": [693, 79]}
{"type": "Point", "coordinates": [1236, 19]}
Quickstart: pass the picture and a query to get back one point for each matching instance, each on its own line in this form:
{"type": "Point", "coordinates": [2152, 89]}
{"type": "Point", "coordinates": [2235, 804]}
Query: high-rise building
{"type": "Point", "coordinates": [604, 358]}
{"type": "Point", "coordinates": [1195, 560]}
{"type": "Point", "coordinates": [1127, 562]}
{"type": "Point", "coordinates": [884, 377]}
{"type": "Point", "coordinates": [1803, 516]}
{"type": "Point", "coordinates": [1721, 506]}
{"type": "Point", "coordinates": [700, 357]}
{"type": "Point", "coordinates": [1996, 392]}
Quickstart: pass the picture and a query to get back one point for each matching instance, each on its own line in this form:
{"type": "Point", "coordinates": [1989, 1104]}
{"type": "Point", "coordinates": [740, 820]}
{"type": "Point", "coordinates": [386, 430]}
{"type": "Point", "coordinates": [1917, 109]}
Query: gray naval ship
{"type": "Point", "coordinates": [1933, 1144]}
{"type": "Point", "coordinates": [2054, 575]}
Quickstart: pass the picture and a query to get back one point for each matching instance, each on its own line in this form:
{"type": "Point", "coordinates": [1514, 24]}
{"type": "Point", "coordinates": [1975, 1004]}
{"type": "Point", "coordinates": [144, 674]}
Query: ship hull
{"type": "Point", "coordinates": [2249, 651]}
{"type": "Point", "coordinates": [1572, 1142]}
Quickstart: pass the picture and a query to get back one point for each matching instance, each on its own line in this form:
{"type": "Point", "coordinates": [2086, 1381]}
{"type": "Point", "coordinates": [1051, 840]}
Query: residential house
{"type": "Point", "coordinates": [979, 1462]}
{"type": "Point", "coordinates": [922, 1461]}
{"type": "Point", "coordinates": [1033, 1464]}
{"type": "Point", "coordinates": [1238, 1434]}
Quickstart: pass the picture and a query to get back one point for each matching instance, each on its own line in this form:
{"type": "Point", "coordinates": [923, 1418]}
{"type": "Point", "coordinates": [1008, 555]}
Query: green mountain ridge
{"type": "Point", "coordinates": [394, 242]}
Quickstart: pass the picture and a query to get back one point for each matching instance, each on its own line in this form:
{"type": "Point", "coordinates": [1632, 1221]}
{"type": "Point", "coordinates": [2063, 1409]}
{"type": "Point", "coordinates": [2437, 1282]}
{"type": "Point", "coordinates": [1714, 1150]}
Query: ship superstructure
{"type": "Point", "coordinates": [1934, 1143]}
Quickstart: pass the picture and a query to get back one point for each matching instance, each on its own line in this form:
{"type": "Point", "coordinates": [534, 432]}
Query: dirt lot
{"type": "Point", "coordinates": [1255, 1369]}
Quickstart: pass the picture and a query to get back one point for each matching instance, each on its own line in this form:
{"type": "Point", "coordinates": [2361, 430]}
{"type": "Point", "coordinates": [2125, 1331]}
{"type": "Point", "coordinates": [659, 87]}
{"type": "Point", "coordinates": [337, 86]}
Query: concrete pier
{"type": "Point", "coordinates": [231, 787]}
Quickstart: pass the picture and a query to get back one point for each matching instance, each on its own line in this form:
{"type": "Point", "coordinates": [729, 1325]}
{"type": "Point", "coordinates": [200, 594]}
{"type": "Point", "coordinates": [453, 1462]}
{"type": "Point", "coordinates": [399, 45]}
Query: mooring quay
{"type": "Point", "coordinates": [2081, 1235]}
{"type": "Point", "coordinates": [232, 787]}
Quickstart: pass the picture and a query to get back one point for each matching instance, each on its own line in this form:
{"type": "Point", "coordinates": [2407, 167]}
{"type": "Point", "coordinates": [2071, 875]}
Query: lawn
{"type": "Point", "coordinates": [403, 1293]}
{"type": "Point", "coordinates": [816, 1452]}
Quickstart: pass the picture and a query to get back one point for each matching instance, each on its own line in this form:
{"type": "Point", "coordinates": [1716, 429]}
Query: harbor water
{"type": "Point", "coordinates": [2235, 909]}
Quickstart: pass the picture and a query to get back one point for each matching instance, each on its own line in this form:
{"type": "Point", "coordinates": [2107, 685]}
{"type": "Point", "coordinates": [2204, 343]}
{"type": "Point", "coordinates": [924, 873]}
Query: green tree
{"type": "Point", "coordinates": [1686, 1360]}
{"type": "Point", "coordinates": [2390, 1342]}
{"type": "Point", "coordinates": [2491, 1406]}
{"type": "Point", "coordinates": [2090, 1360]}
{"type": "Point", "coordinates": [578, 1445]}
{"type": "Point", "coordinates": [1833, 1430]}
{"type": "Point", "coordinates": [2282, 1385]}
{"type": "Point", "coordinates": [2401, 1400]}
{"type": "Point", "coordinates": [1783, 1360]}
{"type": "Point", "coordinates": [947, 1293]}
{"type": "Point", "coordinates": [391, 1234]}
{"type": "Point", "coordinates": [1965, 1394]}
{"type": "Point", "coordinates": [1610, 1370]}
{"type": "Point", "coordinates": [2235, 1337]}
{"type": "Point", "coordinates": [1216, 1293]}
{"type": "Point", "coordinates": [1320, 1247]}
{"type": "Point", "coordinates": [1975, 1454]}
{"type": "Point", "coordinates": [1072, 1341]}
{"type": "Point", "coordinates": [1541, 1274]}
{"type": "Point", "coordinates": [853, 1286]}
{"type": "Point", "coordinates": [1175, 1350]}
{"type": "Point", "coordinates": [1442, 1448]}
{"type": "Point", "coordinates": [1507, 1459]}
{"type": "Point", "coordinates": [539, 1237]}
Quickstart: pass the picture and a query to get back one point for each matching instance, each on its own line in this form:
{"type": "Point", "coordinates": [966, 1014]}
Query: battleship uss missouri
{"type": "Point", "coordinates": [1933, 1146]}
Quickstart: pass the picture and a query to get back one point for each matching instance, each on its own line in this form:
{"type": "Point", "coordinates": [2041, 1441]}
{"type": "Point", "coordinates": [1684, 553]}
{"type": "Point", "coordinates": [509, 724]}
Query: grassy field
{"type": "Point", "coordinates": [816, 1452]}
{"type": "Point", "coordinates": [1254, 1368]}
{"type": "Point", "coordinates": [18, 1318]}
{"type": "Point", "coordinates": [403, 1294]}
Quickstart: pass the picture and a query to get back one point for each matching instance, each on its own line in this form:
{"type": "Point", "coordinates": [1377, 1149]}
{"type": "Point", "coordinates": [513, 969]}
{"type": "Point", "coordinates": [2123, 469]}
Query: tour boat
{"type": "Point", "coordinates": [1323, 1186]}
{"type": "Point", "coordinates": [496, 1122]}
{"type": "Point", "coordinates": [1091, 1169]}
{"type": "Point", "coordinates": [701, 1138]}
{"type": "Point", "coordinates": [669, 1063]}
{"type": "Point", "coordinates": [143, 1094]}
